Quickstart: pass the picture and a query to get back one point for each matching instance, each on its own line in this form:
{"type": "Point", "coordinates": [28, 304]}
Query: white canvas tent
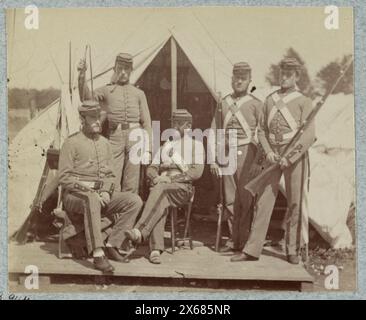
{"type": "Point", "coordinates": [333, 151]}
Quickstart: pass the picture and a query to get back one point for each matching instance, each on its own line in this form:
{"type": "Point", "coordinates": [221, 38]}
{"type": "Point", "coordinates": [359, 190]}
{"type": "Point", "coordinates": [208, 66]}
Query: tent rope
{"type": "Point", "coordinates": [129, 36]}
{"type": "Point", "coordinates": [211, 37]}
{"type": "Point", "coordinates": [134, 56]}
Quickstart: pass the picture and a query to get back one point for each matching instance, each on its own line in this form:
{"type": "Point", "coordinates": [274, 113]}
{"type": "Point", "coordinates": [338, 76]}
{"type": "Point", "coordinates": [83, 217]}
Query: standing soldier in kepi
{"type": "Point", "coordinates": [126, 108]}
{"type": "Point", "coordinates": [284, 111]}
{"type": "Point", "coordinates": [87, 179]}
{"type": "Point", "coordinates": [241, 111]}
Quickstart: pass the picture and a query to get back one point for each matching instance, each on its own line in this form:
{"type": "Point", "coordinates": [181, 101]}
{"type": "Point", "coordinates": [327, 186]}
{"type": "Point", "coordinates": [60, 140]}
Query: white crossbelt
{"type": "Point", "coordinates": [283, 109]}
{"type": "Point", "coordinates": [243, 123]}
{"type": "Point", "coordinates": [175, 158]}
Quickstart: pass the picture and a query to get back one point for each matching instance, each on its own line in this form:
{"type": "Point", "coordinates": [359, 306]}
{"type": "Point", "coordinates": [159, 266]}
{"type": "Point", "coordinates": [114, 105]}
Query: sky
{"type": "Point", "coordinates": [258, 35]}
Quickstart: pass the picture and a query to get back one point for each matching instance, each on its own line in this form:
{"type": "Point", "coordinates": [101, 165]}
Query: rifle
{"type": "Point", "coordinates": [256, 185]}
{"type": "Point", "coordinates": [220, 205]}
{"type": "Point", "coordinates": [70, 82]}
{"type": "Point", "coordinates": [82, 88]}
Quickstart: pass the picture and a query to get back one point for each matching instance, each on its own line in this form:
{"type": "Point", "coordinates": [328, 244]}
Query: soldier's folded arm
{"type": "Point", "coordinates": [195, 170]}
{"type": "Point", "coordinates": [307, 138]}
{"type": "Point", "coordinates": [194, 173]}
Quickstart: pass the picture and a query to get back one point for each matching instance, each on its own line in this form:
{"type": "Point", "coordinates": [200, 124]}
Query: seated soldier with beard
{"type": "Point", "coordinates": [171, 183]}
{"type": "Point", "coordinates": [87, 179]}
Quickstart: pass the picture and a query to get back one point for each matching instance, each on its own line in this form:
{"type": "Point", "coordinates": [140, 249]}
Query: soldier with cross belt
{"type": "Point", "coordinates": [241, 112]}
{"type": "Point", "coordinates": [284, 111]}
{"type": "Point", "coordinates": [182, 162]}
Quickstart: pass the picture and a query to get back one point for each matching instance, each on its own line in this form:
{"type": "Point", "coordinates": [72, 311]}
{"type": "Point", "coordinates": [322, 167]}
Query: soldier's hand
{"type": "Point", "coordinates": [215, 170]}
{"type": "Point", "coordinates": [98, 96]}
{"type": "Point", "coordinates": [104, 198]}
{"type": "Point", "coordinates": [161, 179]}
{"type": "Point", "coordinates": [82, 65]}
{"type": "Point", "coordinates": [284, 163]}
{"type": "Point", "coordinates": [272, 157]}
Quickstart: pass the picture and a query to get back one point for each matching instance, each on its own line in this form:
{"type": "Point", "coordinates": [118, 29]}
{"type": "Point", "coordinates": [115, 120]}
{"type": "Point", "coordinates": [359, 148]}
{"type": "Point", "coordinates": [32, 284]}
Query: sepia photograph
{"type": "Point", "coordinates": [181, 149]}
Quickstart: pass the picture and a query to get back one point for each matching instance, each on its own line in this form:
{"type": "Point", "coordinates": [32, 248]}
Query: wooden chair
{"type": "Point", "coordinates": [173, 211]}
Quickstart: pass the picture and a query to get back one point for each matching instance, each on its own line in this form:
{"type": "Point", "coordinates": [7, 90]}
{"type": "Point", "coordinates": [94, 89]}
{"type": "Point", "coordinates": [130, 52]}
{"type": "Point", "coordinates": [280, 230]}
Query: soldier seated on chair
{"type": "Point", "coordinates": [182, 162]}
{"type": "Point", "coordinates": [88, 180]}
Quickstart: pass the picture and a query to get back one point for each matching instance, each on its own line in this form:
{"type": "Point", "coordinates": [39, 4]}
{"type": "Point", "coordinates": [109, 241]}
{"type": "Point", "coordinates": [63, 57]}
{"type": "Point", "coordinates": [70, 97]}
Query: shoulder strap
{"type": "Point", "coordinates": [281, 105]}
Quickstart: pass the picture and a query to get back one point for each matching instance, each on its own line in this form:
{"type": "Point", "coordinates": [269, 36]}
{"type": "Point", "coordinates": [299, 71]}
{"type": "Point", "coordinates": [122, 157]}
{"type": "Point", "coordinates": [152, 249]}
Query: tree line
{"type": "Point", "coordinates": [324, 79]}
{"type": "Point", "coordinates": [20, 98]}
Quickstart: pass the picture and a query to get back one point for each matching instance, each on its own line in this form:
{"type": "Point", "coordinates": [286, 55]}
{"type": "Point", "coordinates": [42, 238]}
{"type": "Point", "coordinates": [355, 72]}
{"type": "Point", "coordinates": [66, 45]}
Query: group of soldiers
{"type": "Point", "coordinates": [99, 180]}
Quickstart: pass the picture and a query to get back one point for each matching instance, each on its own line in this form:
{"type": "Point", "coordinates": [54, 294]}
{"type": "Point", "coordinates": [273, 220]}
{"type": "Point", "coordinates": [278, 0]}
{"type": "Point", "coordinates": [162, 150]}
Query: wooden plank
{"type": "Point", "coordinates": [306, 286]}
{"type": "Point", "coordinates": [43, 280]}
{"type": "Point", "coordinates": [200, 263]}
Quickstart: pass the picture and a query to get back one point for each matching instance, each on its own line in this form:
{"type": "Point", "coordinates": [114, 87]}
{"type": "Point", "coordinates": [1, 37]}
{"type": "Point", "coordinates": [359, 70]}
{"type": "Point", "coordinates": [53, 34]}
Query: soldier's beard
{"type": "Point", "coordinates": [92, 129]}
{"type": "Point", "coordinates": [119, 78]}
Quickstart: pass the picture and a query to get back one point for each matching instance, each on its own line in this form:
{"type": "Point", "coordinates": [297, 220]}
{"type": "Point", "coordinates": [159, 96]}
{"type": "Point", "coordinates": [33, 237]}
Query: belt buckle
{"type": "Point", "coordinates": [278, 137]}
{"type": "Point", "coordinates": [125, 125]}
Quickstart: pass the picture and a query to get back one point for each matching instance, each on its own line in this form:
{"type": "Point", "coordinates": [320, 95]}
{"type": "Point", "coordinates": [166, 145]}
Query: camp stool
{"type": "Point", "coordinates": [173, 211]}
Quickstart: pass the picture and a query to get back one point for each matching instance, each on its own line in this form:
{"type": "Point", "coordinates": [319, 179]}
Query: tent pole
{"type": "Point", "coordinates": [173, 52]}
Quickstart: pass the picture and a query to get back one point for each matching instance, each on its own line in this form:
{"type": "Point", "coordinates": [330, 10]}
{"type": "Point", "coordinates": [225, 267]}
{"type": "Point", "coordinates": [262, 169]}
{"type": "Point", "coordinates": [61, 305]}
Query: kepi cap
{"type": "Point", "coordinates": [290, 64]}
{"type": "Point", "coordinates": [241, 67]}
{"type": "Point", "coordinates": [124, 57]}
{"type": "Point", "coordinates": [89, 107]}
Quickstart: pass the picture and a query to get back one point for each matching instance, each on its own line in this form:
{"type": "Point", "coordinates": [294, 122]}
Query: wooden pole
{"type": "Point", "coordinates": [70, 84]}
{"type": "Point", "coordinates": [173, 52]}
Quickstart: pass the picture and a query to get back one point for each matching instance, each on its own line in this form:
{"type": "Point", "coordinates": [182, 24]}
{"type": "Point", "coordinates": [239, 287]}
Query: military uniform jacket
{"type": "Point", "coordinates": [85, 159]}
{"type": "Point", "coordinates": [281, 119]}
{"type": "Point", "coordinates": [124, 103]}
{"type": "Point", "coordinates": [183, 160]}
{"type": "Point", "coordinates": [242, 114]}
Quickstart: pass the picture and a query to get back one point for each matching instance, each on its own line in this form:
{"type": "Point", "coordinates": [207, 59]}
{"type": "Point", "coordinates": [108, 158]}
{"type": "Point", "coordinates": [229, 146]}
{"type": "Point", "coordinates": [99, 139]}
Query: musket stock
{"type": "Point", "coordinates": [257, 185]}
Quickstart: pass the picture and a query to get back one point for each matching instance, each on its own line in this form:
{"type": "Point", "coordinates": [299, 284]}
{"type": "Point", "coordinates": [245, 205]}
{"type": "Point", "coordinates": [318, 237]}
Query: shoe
{"type": "Point", "coordinates": [133, 235]}
{"type": "Point", "coordinates": [155, 257]}
{"type": "Point", "coordinates": [226, 249]}
{"type": "Point", "coordinates": [113, 254]}
{"type": "Point", "coordinates": [293, 259]}
{"type": "Point", "coordinates": [102, 264]}
{"type": "Point", "coordinates": [243, 257]}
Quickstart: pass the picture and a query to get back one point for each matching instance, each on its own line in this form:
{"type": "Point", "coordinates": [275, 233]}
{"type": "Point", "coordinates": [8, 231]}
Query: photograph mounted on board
{"type": "Point", "coordinates": [175, 150]}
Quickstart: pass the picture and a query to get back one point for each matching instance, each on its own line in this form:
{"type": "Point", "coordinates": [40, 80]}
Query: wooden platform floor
{"type": "Point", "coordinates": [199, 263]}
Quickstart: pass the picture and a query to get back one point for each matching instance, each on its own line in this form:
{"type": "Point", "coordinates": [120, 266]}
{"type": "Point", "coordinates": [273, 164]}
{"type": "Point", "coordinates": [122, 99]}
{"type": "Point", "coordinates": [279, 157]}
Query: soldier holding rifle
{"type": "Point", "coordinates": [285, 111]}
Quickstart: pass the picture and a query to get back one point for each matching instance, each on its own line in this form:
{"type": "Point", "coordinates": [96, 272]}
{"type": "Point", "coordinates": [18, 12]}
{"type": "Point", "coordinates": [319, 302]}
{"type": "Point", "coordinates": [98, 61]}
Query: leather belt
{"type": "Point", "coordinates": [127, 125]}
{"type": "Point", "coordinates": [95, 185]}
{"type": "Point", "coordinates": [281, 137]}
